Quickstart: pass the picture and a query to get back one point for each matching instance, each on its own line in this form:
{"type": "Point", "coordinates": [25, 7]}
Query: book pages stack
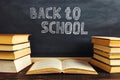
{"type": "Point", "coordinates": [14, 52]}
{"type": "Point", "coordinates": [106, 53]}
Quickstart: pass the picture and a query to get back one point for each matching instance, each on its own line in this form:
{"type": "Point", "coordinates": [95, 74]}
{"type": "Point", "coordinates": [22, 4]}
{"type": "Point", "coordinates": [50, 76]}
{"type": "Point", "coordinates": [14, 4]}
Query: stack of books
{"type": "Point", "coordinates": [14, 52]}
{"type": "Point", "coordinates": [106, 53]}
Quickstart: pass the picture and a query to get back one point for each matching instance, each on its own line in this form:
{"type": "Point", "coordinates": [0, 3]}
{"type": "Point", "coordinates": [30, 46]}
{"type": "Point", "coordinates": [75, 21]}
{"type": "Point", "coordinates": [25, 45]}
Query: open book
{"type": "Point", "coordinates": [57, 66]}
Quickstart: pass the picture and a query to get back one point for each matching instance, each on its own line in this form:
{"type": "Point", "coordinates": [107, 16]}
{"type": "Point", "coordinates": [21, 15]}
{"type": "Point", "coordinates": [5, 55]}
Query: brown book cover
{"type": "Point", "coordinates": [105, 40]}
{"type": "Point", "coordinates": [13, 38]}
{"type": "Point", "coordinates": [107, 55]}
{"type": "Point", "coordinates": [107, 48]}
{"type": "Point", "coordinates": [112, 62]}
{"type": "Point", "coordinates": [12, 55]}
{"type": "Point", "coordinates": [14, 47]}
{"type": "Point", "coordinates": [15, 66]}
{"type": "Point", "coordinates": [106, 67]}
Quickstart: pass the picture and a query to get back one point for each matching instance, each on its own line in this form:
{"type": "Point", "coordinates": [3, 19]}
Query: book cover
{"type": "Point", "coordinates": [13, 38]}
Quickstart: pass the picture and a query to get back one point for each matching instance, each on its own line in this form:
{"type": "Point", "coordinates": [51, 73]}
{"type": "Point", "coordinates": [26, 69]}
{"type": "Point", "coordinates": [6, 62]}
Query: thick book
{"type": "Point", "coordinates": [107, 41]}
{"type": "Point", "coordinates": [107, 48]}
{"type": "Point", "coordinates": [57, 66]}
{"type": "Point", "coordinates": [14, 66]}
{"type": "Point", "coordinates": [12, 55]}
{"type": "Point", "coordinates": [13, 38]}
{"type": "Point", "coordinates": [14, 47]}
{"type": "Point", "coordinates": [107, 55]}
{"type": "Point", "coordinates": [105, 67]}
{"type": "Point", "coordinates": [112, 62]}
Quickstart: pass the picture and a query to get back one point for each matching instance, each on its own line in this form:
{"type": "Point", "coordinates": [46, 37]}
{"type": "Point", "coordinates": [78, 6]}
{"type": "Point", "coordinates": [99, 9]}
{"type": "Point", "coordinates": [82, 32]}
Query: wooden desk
{"type": "Point", "coordinates": [21, 76]}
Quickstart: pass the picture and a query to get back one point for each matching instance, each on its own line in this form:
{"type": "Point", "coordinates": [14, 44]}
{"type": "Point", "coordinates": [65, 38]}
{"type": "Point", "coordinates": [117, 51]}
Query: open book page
{"type": "Point", "coordinates": [77, 66]}
{"type": "Point", "coordinates": [46, 66]}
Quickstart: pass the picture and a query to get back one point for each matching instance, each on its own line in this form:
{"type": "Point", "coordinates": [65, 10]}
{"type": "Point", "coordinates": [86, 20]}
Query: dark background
{"type": "Point", "coordinates": [101, 17]}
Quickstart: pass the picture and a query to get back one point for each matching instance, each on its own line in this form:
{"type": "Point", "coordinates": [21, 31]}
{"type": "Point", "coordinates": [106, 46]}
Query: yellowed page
{"type": "Point", "coordinates": [44, 65]}
{"type": "Point", "coordinates": [77, 64]}
{"type": "Point", "coordinates": [105, 37]}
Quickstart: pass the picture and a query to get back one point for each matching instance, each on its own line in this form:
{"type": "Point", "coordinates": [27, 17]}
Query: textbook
{"type": "Point", "coordinates": [112, 62]}
{"type": "Point", "coordinates": [107, 55]}
{"type": "Point", "coordinates": [107, 41]}
{"type": "Point", "coordinates": [12, 55]}
{"type": "Point", "coordinates": [106, 67]}
{"type": "Point", "coordinates": [57, 66]}
{"type": "Point", "coordinates": [14, 66]}
{"type": "Point", "coordinates": [107, 48]}
{"type": "Point", "coordinates": [14, 47]}
{"type": "Point", "coordinates": [13, 38]}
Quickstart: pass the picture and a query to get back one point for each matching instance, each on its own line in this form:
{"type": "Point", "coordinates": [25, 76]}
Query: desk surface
{"type": "Point", "coordinates": [21, 76]}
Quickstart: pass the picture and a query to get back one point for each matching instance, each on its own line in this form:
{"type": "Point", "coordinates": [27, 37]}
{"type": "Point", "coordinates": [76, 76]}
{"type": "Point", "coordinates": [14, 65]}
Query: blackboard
{"type": "Point", "coordinates": [99, 17]}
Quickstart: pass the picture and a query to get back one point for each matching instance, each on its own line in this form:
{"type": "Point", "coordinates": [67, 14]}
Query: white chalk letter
{"type": "Point", "coordinates": [82, 29]}
{"type": "Point", "coordinates": [47, 13]}
{"type": "Point", "coordinates": [44, 26]}
{"type": "Point", "coordinates": [60, 28]}
{"type": "Point", "coordinates": [33, 13]}
{"type": "Point", "coordinates": [76, 28]}
{"type": "Point", "coordinates": [41, 13]}
{"type": "Point", "coordinates": [56, 13]}
{"type": "Point", "coordinates": [76, 13]}
{"type": "Point", "coordinates": [68, 11]}
{"type": "Point", "coordinates": [51, 27]}
{"type": "Point", "coordinates": [68, 27]}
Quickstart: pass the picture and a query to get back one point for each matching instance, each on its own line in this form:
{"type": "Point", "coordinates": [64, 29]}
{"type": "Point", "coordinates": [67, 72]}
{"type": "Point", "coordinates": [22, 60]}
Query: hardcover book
{"type": "Point", "coordinates": [14, 66]}
{"type": "Point", "coordinates": [14, 47]}
{"type": "Point", "coordinates": [112, 62]}
{"type": "Point", "coordinates": [106, 67]}
{"type": "Point", "coordinates": [12, 55]}
{"type": "Point", "coordinates": [13, 38]}
{"type": "Point", "coordinates": [107, 41]}
{"type": "Point", "coordinates": [107, 55]}
{"type": "Point", "coordinates": [108, 49]}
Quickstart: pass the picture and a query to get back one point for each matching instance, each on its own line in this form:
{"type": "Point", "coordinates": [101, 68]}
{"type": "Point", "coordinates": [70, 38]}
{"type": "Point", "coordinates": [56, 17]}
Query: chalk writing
{"type": "Point", "coordinates": [56, 26]}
